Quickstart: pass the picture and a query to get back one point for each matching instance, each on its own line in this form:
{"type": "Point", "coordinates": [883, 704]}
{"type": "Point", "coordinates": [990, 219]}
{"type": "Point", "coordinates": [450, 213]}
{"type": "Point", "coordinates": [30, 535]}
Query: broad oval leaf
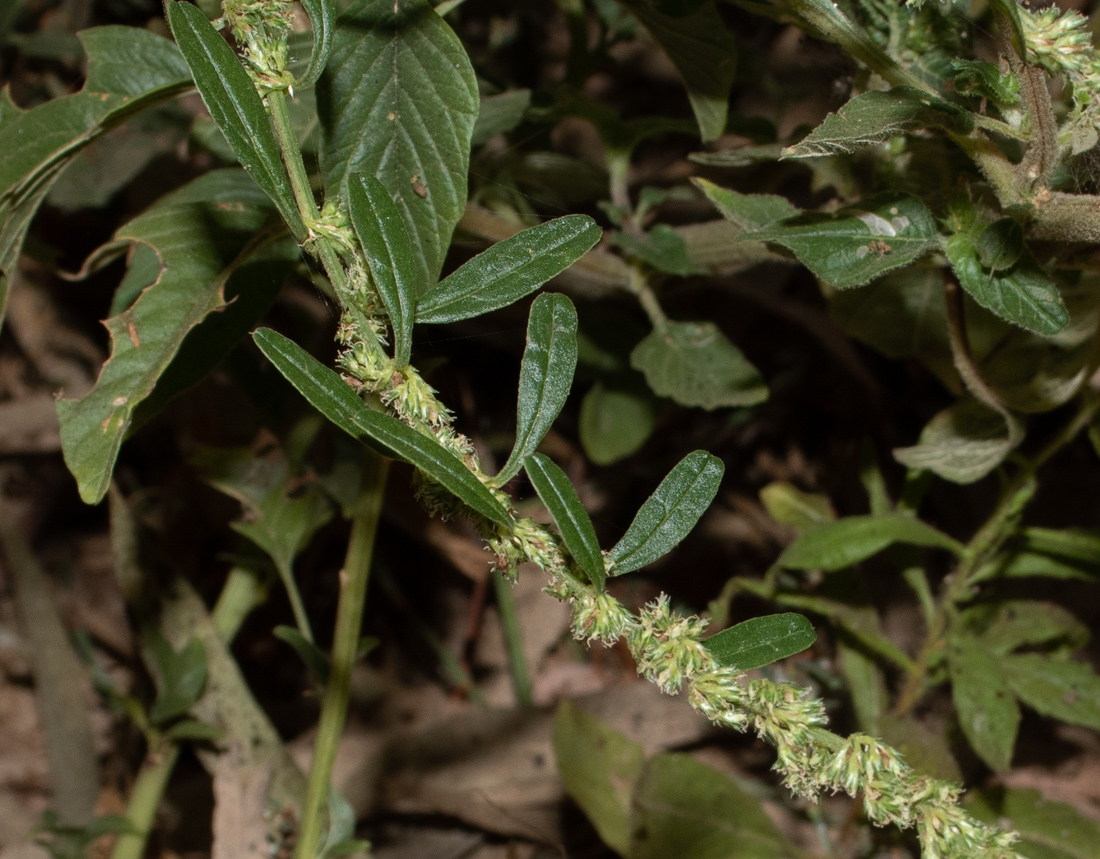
{"type": "Point", "coordinates": [761, 641]}
{"type": "Point", "coordinates": [1060, 688]}
{"type": "Point", "coordinates": [321, 15]}
{"type": "Point", "coordinates": [509, 270]}
{"type": "Point", "coordinates": [235, 106]}
{"type": "Point", "coordinates": [545, 376]}
{"type": "Point", "coordinates": [560, 498]}
{"type": "Point", "coordinates": [848, 541]}
{"type": "Point", "coordinates": [1047, 829]}
{"type": "Point", "coordinates": [615, 424]}
{"type": "Point", "coordinates": [670, 513]}
{"type": "Point", "coordinates": [381, 231]}
{"type": "Point", "coordinates": [332, 397]}
{"type": "Point", "coordinates": [860, 243]}
{"type": "Point", "coordinates": [988, 713]}
{"type": "Point", "coordinates": [398, 100]}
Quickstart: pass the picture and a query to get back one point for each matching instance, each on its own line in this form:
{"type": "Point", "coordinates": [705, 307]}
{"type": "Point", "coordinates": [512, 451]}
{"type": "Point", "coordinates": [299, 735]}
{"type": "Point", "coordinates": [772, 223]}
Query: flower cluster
{"type": "Point", "coordinates": [261, 27]}
{"type": "Point", "coordinates": [667, 646]}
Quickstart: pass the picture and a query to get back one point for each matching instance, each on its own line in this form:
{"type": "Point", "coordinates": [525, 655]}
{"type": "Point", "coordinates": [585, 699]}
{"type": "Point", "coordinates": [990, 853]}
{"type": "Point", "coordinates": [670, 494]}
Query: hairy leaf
{"type": "Point", "coordinates": [390, 257]}
{"type": "Point", "coordinates": [321, 15]}
{"type": "Point", "coordinates": [963, 443]}
{"type": "Point", "coordinates": [1048, 830]}
{"type": "Point", "coordinates": [560, 498]}
{"type": "Point", "coordinates": [614, 424]}
{"type": "Point", "coordinates": [545, 376]}
{"type": "Point", "coordinates": [397, 101]}
{"type": "Point", "coordinates": [987, 710]}
{"type": "Point", "coordinates": [670, 513]}
{"type": "Point", "coordinates": [235, 106]}
{"type": "Point", "coordinates": [509, 270]}
{"type": "Point", "coordinates": [331, 396]}
{"type": "Point", "coordinates": [761, 641]}
{"type": "Point", "coordinates": [662, 248]}
{"type": "Point", "coordinates": [857, 244]}
{"type": "Point", "coordinates": [747, 211]}
{"type": "Point", "coordinates": [696, 365]}
{"type": "Point", "coordinates": [848, 541]}
{"type": "Point", "coordinates": [875, 117]}
{"type": "Point", "coordinates": [1064, 690]}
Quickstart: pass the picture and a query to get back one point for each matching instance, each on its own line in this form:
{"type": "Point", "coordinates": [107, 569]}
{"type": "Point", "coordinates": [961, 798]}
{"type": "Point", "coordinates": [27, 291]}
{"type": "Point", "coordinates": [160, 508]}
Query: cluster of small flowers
{"type": "Point", "coordinates": [601, 617]}
{"type": "Point", "coordinates": [1061, 42]}
{"type": "Point", "coordinates": [667, 646]}
{"type": "Point", "coordinates": [262, 27]}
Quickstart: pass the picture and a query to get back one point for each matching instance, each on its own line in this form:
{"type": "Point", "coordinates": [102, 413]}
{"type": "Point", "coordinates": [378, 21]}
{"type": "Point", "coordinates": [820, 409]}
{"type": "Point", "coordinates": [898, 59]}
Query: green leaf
{"type": "Point", "coordinates": [704, 53]}
{"type": "Point", "coordinates": [848, 541]}
{"type": "Point", "coordinates": [389, 254]}
{"type": "Point", "coordinates": [321, 14]}
{"type": "Point", "coordinates": [662, 248]}
{"type": "Point", "coordinates": [1000, 244]}
{"type": "Point", "coordinates": [684, 808]}
{"type": "Point", "coordinates": [1064, 690]}
{"type": "Point", "coordinates": [235, 105]}
{"type": "Point", "coordinates": [963, 443]}
{"type": "Point", "coordinates": [986, 80]}
{"type": "Point", "coordinates": [987, 710]}
{"type": "Point", "coordinates": [1024, 294]}
{"type": "Point", "coordinates": [614, 424]}
{"type": "Point", "coordinates": [560, 498]}
{"type": "Point", "coordinates": [36, 144]}
{"type": "Point", "coordinates": [182, 679]}
{"type": "Point", "coordinates": [1067, 554]}
{"type": "Point", "coordinates": [747, 211]}
{"type": "Point", "coordinates": [194, 731]}
{"type": "Point", "coordinates": [875, 117]}
{"type": "Point", "coordinates": [1048, 830]}
{"type": "Point", "coordinates": [794, 508]}
{"type": "Point", "coordinates": [500, 113]}
{"type": "Point", "coordinates": [696, 365]}
{"type": "Point", "coordinates": [599, 768]}
{"type": "Point", "coordinates": [857, 244]}
{"type": "Point", "coordinates": [509, 270]}
{"type": "Point", "coordinates": [761, 641]}
{"type": "Point", "coordinates": [397, 101]}
{"type": "Point", "coordinates": [311, 655]}
{"type": "Point", "coordinates": [1006, 626]}
{"type": "Point", "coordinates": [332, 397]}
{"type": "Point", "coordinates": [203, 233]}
{"type": "Point", "coordinates": [670, 513]}
{"type": "Point", "coordinates": [545, 376]}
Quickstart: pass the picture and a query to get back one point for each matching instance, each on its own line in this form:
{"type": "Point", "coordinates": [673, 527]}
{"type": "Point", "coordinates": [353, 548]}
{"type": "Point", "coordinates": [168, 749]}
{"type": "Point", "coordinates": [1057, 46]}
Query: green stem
{"type": "Point", "coordinates": [286, 573]}
{"type": "Point", "coordinates": [513, 639]}
{"type": "Point", "coordinates": [639, 285]}
{"type": "Point", "coordinates": [345, 649]}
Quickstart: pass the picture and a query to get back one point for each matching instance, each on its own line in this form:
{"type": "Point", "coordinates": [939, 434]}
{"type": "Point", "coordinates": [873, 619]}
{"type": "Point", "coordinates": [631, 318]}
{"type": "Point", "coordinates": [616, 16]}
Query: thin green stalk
{"type": "Point", "coordinates": [639, 285]}
{"type": "Point", "coordinates": [345, 648]}
{"type": "Point", "coordinates": [301, 618]}
{"type": "Point", "coordinates": [513, 639]}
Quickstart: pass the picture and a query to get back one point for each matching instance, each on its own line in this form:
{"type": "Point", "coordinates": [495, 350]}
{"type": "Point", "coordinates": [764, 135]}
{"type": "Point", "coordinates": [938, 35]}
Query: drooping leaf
{"type": "Point", "coordinates": [181, 681]}
{"type": "Point", "coordinates": [1064, 690]}
{"type": "Point", "coordinates": [747, 211]}
{"type": "Point", "coordinates": [129, 70]}
{"type": "Point", "coordinates": [695, 364]}
{"type": "Point", "coordinates": [331, 396]}
{"type": "Point", "coordinates": [875, 117]}
{"type": "Point", "coordinates": [397, 101]}
{"type": "Point", "coordinates": [670, 513]}
{"type": "Point", "coordinates": [509, 270]}
{"type": "Point", "coordinates": [1047, 829]}
{"type": "Point", "coordinates": [500, 113]}
{"type": "Point", "coordinates": [385, 241]}
{"type": "Point", "coordinates": [848, 541]}
{"type": "Point", "coordinates": [599, 768]}
{"type": "Point", "coordinates": [614, 424]}
{"type": "Point", "coordinates": [963, 443]}
{"type": "Point", "coordinates": [662, 248]}
{"type": "Point", "coordinates": [235, 105]}
{"type": "Point", "coordinates": [202, 233]}
{"type": "Point", "coordinates": [322, 14]}
{"type": "Point", "coordinates": [761, 641]}
{"type": "Point", "coordinates": [685, 808]}
{"type": "Point", "coordinates": [987, 710]}
{"type": "Point", "coordinates": [545, 376]}
{"type": "Point", "coordinates": [557, 493]}
{"type": "Point", "coordinates": [704, 53]}
{"type": "Point", "coordinates": [794, 508]}
{"type": "Point", "coordinates": [857, 244]}
{"type": "Point", "coordinates": [1023, 294]}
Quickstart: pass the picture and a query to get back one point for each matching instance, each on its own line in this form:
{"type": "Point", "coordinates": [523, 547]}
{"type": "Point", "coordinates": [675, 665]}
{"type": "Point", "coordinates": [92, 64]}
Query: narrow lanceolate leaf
{"type": "Point", "coordinates": [877, 116]}
{"type": "Point", "coordinates": [761, 641]}
{"type": "Point", "coordinates": [509, 270]}
{"type": "Point", "coordinates": [848, 541]}
{"type": "Point", "coordinates": [670, 513]}
{"type": "Point", "coordinates": [385, 241]}
{"type": "Point", "coordinates": [1023, 294]}
{"type": "Point", "coordinates": [860, 243]}
{"type": "Point", "coordinates": [322, 14]}
{"type": "Point", "coordinates": [545, 376]}
{"type": "Point", "coordinates": [988, 713]}
{"type": "Point", "coordinates": [235, 106]}
{"type": "Point", "coordinates": [202, 234]}
{"type": "Point", "coordinates": [128, 70]}
{"type": "Point", "coordinates": [560, 498]}
{"type": "Point", "coordinates": [398, 100]}
{"type": "Point", "coordinates": [331, 396]}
